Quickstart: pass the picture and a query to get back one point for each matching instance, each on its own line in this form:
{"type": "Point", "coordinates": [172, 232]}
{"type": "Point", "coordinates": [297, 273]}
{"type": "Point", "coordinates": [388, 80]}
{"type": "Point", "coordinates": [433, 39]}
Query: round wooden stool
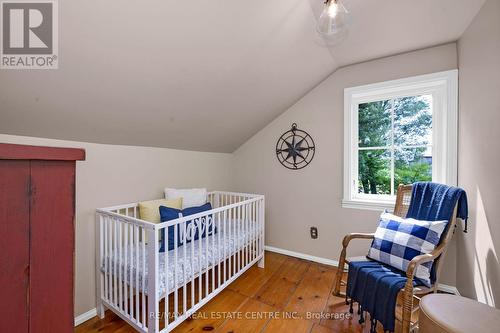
{"type": "Point", "coordinates": [441, 313]}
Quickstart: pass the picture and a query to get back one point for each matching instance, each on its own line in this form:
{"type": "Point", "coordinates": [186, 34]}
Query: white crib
{"type": "Point", "coordinates": [155, 292]}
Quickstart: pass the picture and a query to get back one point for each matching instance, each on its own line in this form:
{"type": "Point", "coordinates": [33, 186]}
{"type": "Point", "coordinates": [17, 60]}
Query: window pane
{"type": "Point", "coordinates": [412, 165]}
{"type": "Point", "coordinates": [374, 120]}
{"type": "Point", "coordinates": [374, 171]}
{"type": "Point", "coordinates": [413, 121]}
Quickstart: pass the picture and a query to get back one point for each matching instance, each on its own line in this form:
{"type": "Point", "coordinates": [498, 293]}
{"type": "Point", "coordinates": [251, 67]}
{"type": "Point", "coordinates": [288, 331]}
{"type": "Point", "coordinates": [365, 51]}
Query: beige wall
{"type": "Point", "coordinates": [296, 200]}
{"type": "Point", "coordinates": [478, 269]}
{"type": "Point", "coordinates": [121, 174]}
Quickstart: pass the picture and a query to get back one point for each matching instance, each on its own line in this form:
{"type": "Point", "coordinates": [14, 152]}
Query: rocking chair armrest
{"type": "Point", "coordinates": [423, 258]}
{"type": "Point", "coordinates": [342, 259]}
{"type": "Point", "coordinates": [351, 236]}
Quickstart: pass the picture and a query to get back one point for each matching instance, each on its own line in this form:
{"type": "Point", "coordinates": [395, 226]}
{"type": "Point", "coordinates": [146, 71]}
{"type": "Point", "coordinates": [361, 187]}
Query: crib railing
{"type": "Point", "coordinates": [203, 253]}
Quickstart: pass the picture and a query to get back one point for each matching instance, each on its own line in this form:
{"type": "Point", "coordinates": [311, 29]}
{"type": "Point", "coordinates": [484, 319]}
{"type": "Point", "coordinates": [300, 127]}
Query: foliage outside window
{"type": "Point", "coordinates": [398, 132]}
{"type": "Point", "coordinates": [394, 143]}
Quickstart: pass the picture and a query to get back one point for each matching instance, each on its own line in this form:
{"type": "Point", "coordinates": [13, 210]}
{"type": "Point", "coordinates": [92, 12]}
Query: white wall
{"type": "Point", "coordinates": [296, 200]}
{"type": "Point", "coordinates": [114, 175]}
{"type": "Point", "coordinates": [478, 268]}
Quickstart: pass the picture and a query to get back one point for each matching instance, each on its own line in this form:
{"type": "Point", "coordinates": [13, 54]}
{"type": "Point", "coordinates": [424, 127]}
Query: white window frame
{"type": "Point", "coordinates": [443, 87]}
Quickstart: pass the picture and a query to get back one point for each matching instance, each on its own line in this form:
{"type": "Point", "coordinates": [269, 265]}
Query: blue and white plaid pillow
{"type": "Point", "coordinates": [398, 240]}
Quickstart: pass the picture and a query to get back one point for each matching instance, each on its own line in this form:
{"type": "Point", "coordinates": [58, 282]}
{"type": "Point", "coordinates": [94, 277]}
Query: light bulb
{"type": "Point", "coordinates": [333, 9]}
{"type": "Point", "coordinates": [333, 22]}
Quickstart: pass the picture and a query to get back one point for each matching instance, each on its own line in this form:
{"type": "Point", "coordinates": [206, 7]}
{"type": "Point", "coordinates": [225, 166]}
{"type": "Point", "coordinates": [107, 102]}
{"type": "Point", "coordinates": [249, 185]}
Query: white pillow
{"type": "Point", "coordinates": [192, 197]}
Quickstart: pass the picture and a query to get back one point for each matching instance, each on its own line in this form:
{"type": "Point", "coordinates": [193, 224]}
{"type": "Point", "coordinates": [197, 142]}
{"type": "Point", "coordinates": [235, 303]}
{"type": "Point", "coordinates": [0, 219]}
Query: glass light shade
{"type": "Point", "coordinates": [334, 21]}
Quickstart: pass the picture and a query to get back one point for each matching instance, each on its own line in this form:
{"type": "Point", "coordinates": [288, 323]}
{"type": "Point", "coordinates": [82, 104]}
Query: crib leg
{"type": "Point", "coordinates": [100, 310]}
{"type": "Point", "coordinates": [261, 262]}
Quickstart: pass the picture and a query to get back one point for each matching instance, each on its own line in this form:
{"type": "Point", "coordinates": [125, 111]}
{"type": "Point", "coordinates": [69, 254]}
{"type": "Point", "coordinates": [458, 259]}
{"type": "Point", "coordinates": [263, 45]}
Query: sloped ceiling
{"type": "Point", "coordinates": [203, 74]}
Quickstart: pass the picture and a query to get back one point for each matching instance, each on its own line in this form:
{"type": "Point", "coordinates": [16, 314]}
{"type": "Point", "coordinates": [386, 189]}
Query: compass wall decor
{"type": "Point", "coordinates": [295, 148]}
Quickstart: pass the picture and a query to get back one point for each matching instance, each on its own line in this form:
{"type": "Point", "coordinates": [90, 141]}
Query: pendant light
{"type": "Point", "coordinates": [334, 21]}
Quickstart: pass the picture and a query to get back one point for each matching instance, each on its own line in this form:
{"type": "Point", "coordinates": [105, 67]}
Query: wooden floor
{"type": "Point", "coordinates": [288, 295]}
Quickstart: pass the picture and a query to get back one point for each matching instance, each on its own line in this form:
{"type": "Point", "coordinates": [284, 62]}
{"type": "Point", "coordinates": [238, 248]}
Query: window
{"type": "Point", "coordinates": [399, 132]}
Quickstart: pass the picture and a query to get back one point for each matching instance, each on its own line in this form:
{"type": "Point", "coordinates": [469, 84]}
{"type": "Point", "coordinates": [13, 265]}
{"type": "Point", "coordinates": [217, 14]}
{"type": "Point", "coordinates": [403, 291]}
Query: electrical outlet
{"type": "Point", "coordinates": [314, 232]}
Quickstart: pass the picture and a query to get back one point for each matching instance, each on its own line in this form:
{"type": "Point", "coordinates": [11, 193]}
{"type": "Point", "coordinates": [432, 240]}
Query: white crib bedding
{"type": "Point", "coordinates": [211, 254]}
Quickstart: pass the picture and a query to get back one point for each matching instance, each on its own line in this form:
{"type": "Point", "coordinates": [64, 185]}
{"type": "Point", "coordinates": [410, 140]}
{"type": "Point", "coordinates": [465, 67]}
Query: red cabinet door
{"type": "Point", "coordinates": [52, 246]}
{"type": "Point", "coordinates": [37, 204]}
{"type": "Point", "coordinates": [14, 245]}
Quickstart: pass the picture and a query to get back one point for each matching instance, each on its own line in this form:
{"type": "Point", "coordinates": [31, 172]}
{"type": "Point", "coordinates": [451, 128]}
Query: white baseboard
{"type": "Point", "coordinates": [442, 287]}
{"type": "Point", "coordinates": [85, 316]}
{"type": "Point", "coordinates": [320, 260]}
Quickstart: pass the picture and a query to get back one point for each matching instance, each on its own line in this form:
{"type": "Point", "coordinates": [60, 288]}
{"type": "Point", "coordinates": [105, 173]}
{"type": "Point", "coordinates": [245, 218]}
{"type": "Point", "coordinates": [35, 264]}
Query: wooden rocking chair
{"type": "Point", "coordinates": [408, 298]}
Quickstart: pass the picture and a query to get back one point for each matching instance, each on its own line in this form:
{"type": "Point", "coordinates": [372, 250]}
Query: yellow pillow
{"type": "Point", "coordinates": [150, 210]}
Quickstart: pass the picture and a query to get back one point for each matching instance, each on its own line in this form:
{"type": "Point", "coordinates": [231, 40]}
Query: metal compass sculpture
{"type": "Point", "coordinates": [295, 148]}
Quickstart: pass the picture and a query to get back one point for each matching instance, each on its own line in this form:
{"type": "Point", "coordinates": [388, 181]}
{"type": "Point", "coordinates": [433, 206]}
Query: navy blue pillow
{"type": "Point", "coordinates": [192, 227]}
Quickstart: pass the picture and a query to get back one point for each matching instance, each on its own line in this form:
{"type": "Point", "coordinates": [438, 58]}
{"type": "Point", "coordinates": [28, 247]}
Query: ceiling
{"type": "Point", "coordinates": [202, 75]}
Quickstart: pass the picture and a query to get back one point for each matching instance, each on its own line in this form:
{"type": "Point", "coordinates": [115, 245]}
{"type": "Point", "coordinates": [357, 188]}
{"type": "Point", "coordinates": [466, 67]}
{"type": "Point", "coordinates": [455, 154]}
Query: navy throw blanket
{"type": "Point", "coordinates": [435, 202]}
{"type": "Point", "coordinates": [374, 285]}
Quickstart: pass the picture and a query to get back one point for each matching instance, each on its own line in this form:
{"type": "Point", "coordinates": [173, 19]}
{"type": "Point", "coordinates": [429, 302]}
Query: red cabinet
{"type": "Point", "coordinates": [37, 207]}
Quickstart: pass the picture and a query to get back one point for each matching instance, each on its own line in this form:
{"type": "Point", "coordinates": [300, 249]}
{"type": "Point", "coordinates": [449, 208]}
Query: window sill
{"type": "Point", "coordinates": [368, 204]}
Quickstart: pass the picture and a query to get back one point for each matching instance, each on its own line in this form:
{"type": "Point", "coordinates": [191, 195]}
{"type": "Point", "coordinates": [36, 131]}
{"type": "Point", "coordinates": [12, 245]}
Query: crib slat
{"type": "Point", "coordinates": [230, 236]}
{"type": "Point", "coordinates": [137, 267]}
{"type": "Point", "coordinates": [254, 230]}
{"type": "Point", "coordinates": [130, 272]}
{"type": "Point", "coordinates": [106, 257]}
{"type": "Point", "coordinates": [215, 255]}
{"type": "Point", "coordinates": [120, 263]}
{"type": "Point", "coordinates": [235, 238]}
{"type": "Point", "coordinates": [219, 255]}
{"type": "Point", "coordinates": [247, 233]}
{"type": "Point", "coordinates": [143, 241]}
{"type": "Point", "coordinates": [125, 266]}
{"type": "Point", "coordinates": [184, 266]}
{"type": "Point", "coordinates": [206, 261]}
{"type": "Point", "coordinates": [225, 244]}
{"type": "Point", "coordinates": [110, 258]}
{"type": "Point", "coordinates": [167, 282]}
{"type": "Point", "coordinates": [176, 289]}
{"type": "Point", "coordinates": [245, 239]}
{"type": "Point", "coordinates": [193, 231]}
{"type": "Point", "coordinates": [213, 249]}
{"type": "Point", "coordinates": [115, 259]}
{"type": "Point", "coordinates": [238, 237]}
{"type": "Point", "coordinates": [241, 237]}
{"type": "Point", "coordinates": [200, 264]}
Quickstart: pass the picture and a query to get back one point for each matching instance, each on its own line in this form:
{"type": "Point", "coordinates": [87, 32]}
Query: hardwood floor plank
{"type": "Point", "coordinates": [252, 319]}
{"type": "Point", "coordinates": [293, 269]}
{"type": "Point", "coordinates": [211, 315]}
{"type": "Point", "coordinates": [313, 291]}
{"type": "Point", "coordinates": [321, 329]}
{"type": "Point", "coordinates": [278, 290]}
{"type": "Point", "coordinates": [249, 283]}
{"type": "Point", "coordinates": [288, 325]}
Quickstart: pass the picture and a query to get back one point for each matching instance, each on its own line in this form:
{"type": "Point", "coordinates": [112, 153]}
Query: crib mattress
{"type": "Point", "coordinates": [211, 253]}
